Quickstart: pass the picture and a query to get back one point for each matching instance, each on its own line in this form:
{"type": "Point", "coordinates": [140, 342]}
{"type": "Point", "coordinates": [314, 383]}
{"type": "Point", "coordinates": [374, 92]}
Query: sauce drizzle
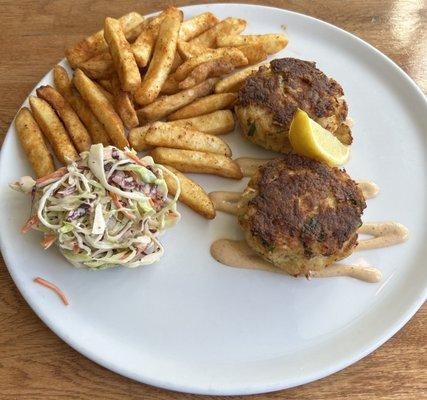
{"type": "Point", "coordinates": [236, 253]}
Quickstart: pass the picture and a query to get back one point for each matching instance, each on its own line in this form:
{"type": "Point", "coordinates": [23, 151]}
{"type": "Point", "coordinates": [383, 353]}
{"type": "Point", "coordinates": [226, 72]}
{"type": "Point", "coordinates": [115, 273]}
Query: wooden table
{"type": "Point", "coordinates": [34, 363]}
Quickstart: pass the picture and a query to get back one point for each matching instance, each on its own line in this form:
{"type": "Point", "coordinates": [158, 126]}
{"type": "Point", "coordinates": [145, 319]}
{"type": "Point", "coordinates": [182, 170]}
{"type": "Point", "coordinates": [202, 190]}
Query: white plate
{"type": "Point", "coordinates": [190, 324]}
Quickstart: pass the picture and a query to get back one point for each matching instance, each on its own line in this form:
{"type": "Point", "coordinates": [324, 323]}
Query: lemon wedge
{"type": "Point", "coordinates": [310, 139]}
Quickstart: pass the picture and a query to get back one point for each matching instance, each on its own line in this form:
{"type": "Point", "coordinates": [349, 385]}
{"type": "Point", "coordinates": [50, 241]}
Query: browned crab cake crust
{"type": "Point", "coordinates": [269, 98]}
{"type": "Point", "coordinates": [300, 214]}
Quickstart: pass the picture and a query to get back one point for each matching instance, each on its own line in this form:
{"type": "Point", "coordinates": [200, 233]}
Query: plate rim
{"type": "Point", "coordinates": [209, 390]}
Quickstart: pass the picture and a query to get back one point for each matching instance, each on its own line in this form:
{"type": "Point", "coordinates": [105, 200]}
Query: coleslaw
{"type": "Point", "coordinates": [105, 210]}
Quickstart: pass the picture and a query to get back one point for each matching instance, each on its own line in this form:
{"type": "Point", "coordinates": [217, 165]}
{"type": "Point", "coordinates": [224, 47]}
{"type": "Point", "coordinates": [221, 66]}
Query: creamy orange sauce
{"type": "Point", "coordinates": [384, 234]}
{"type": "Point", "coordinates": [227, 202]}
{"type": "Point", "coordinates": [237, 253]}
{"type": "Point", "coordinates": [250, 165]}
{"type": "Point", "coordinates": [369, 189]}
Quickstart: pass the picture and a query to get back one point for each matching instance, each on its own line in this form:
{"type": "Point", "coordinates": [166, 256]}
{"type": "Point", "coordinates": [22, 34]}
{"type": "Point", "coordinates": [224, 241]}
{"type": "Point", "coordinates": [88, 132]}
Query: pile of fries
{"type": "Point", "coordinates": [170, 84]}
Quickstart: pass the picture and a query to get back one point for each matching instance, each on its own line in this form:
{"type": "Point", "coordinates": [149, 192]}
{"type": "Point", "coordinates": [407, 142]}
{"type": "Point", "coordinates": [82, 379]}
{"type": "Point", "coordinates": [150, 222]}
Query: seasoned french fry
{"type": "Point", "coordinates": [31, 139]}
{"type": "Point", "coordinates": [161, 134]}
{"type": "Point", "coordinates": [197, 161]}
{"type": "Point", "coordinates": [233, 82]}
{"type": "Point", "coordinates": [93, 45]}
{"type": "Point", "coordinates": [137, 138]}
{"type": "Point", "coordinates": [168, 104]}
{"type": "Point", "coordinates": [143, 46]}
{"type": "Point", "coordinates": [53, 129]}
{"type": "Point", "coordinates": [94, 127]}
{"type": "Point", "coordinates": [123, 104]}
{"type": "Point", "coordinates": [76, 130]}
{"type": "Point", "coordinates": [212, 68]}
{"type": "Point", "coordinates": [171, 86]}
{"type": "Point", "coordinates": [229, 54]}
{"type": "Point", "coordinates": [98, 67]}
{"type": "Point", "coordinates": [188, 50]}
{"type": "Point", "coordinates": [177, 61]}
{"type": "Point", "coordinates": [162, 60]}
{"type": "Point", "coordinates": [195, 26]}
{"type": "Point", "coordinates": [121, 53]}
{"type": "Point", "coordinates": [272, 43]}
{"type": "Point", "coordinates": [106, 93]}
{"type": "Point", "coordinates": [106, 84]}
{"type": "Point", "coordinates": [216, 123]}
{"type": "Point", "coordinates": [229, 26]}
{"type": "Point", "coordinates": [255, 53]}
{"type": "Point", "coordinates": [102, 108]}
{"type": "Point", "coordinates": [191, 193]}
{"type": "Point", "coordinates": [204, 105]}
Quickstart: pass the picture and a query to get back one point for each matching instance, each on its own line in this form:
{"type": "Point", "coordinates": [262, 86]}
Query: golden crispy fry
{"type": "Point", "coordinates": [197, 161]}
{"type": "Point", "coordinates": [32, 141]}
{"type": "Point", "coordinates": [98, 67]}
{"type": "Point", "coordinates": [95, 128]}
{"type": "Point", "coordinates": [76, 130]}
{"type": "Point", "coordinates": [229, 26]}
{"type": "Point", "coordinates": [102, 108]}
{"type": "Point", "coordinates": [216, 123]}
{"type": "Point", "coordinates": [204, 105]}
{"type": "Point", "coordinates": [255, 53]}
{"type": "Point", "coordinates": [233, 82]}
{"type": "Point", "coordinates": [93, 45]}
{"type": "Point", "coordinates": [177, 61]}
{"type": "Point", "coordinates": [163, 57]}
{"type": "Point", "coordinates": [137, 138]}
{"type": "Point", "coordinates": [106, 93]}
{"type": "Point", "coordinates": [123, 104]}
{"type": "Point", "coordinates": [195, 26]}
{"type": "Point", "coordinates": [106, 84]}
{"type": "Point", "coordinates": [272, 43]}
{"type": "Point", "coordinates": [209, 69]}
{"type": "Point", "coordinates": [232, 55]}
{"type": "Point", "coordinates": [168, 104]}
{"type": "Point", "coordinates": [121, 53]}
{"type": "Point", "coordinates": [187, 50]}
{"type": "Point", "coordinates": [143, 46]}
{"type": "Point", "coordinates": [171, 86]}
{"type": "Point", "coordinates": [53, 129]}
{"type": "Point", "coordinates": [191, 193]}
{"type": "Point", "coordinates": [162, 134]}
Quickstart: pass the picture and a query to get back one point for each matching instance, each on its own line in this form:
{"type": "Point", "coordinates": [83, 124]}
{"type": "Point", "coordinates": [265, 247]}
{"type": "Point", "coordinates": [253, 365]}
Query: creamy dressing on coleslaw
{"type": "Point", "coordinates": [106, 209]}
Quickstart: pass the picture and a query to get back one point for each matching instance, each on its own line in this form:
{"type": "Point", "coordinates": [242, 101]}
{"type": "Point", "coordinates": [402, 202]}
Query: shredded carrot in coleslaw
{"type": "Point", "coordinates": [53, 287]}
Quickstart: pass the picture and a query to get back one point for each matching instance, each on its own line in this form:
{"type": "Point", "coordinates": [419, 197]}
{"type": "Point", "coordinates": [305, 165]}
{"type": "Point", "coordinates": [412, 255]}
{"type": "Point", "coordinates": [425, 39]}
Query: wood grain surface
{"type": "Point", "coordinates": [34, 363]}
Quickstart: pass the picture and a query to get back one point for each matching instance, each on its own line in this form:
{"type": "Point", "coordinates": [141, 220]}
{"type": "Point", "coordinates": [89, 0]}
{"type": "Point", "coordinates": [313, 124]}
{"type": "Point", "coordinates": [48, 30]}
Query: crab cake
{"type": "Point", "coordinates": [269, 98]}
{"type": "Point", "coordinates": [300, 214]}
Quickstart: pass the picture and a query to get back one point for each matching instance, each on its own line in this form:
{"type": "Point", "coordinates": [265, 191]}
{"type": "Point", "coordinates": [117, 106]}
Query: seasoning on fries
{"type": "Point", "coordinates": [217, 123]}
{"type": "Point", "coordinates": [95, 128]}
{"type": "Point", "coordinates": [121, 53]}
{"type": "Point", "coordinates": [229, 26]}
{"type": "Point", "coordinates": [32, 142]}
{"type": "Point", "coordinates": [53, 129]}
{"type": "Point", "coordinates": [161, 134]}
{"type": "Point", "coordinates": [95, 44]}
{"type": "Point", "coordinates": [76, 130]}
{"type": "Point", "coordinates": [163, 56]}
{"type": "Point", "coordinates": [205, 105]}
{"type": "Point", "coordinates": [197, 161]}
{"type": "Point", "coordinates": [168, 104]}
{"type": "Point", "coordinates": [102, 108]}
{"type": "Point", "coordinates": [192, 194]}
{"type": "Point", "coordinates": [271, 43]}
{"type": "Point", "coordinates": [233, 82]}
